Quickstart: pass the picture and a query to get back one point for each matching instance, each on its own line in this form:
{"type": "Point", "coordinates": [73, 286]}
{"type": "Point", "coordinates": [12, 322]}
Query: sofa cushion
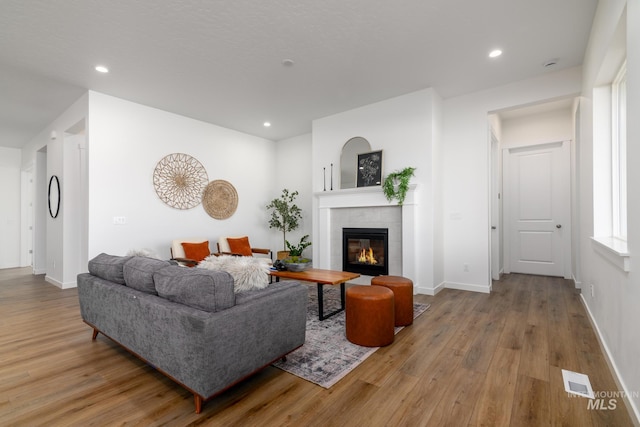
{"type": "Point", "coordinates": [109, 267]}
{"type": "Point", "coordinates": [240, 245]}
{"type": "Point", "coordinates": [138, 273]}
{"type": "Point", "coordinates": [198, 288]}
{"type": "Point", "coordinates": [248, 272]}
{"type": "Point", "coordinates": [196, 251]}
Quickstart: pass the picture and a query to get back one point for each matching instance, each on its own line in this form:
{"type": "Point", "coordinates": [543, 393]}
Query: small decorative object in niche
{"type": "Point", "coordinates": [54, 196]}
{"type": "Point", "coordinates": [179, 180]}
{"type": "Point", "coordinates": [369, 172]}
{"type": "Point", "coordinates": [396, 184]}
{"type": "Point", "coordinates": [220, 199]}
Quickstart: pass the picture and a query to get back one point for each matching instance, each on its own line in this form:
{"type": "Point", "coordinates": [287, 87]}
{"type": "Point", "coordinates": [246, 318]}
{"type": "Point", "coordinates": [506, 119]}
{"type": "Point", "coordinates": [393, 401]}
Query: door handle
{"type": "Point", "coordinates": [558, 225]}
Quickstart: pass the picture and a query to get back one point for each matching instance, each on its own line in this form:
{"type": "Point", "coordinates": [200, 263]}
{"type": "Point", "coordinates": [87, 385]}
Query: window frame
{"type": "Point", "coordinates": [619, 154]}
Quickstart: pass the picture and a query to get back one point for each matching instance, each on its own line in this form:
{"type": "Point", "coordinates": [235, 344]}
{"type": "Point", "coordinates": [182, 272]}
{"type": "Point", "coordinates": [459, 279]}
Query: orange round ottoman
{"type": "Point", "coordinates": [369, 315]}
{"type": "Point", "coordinates": [403, 296]}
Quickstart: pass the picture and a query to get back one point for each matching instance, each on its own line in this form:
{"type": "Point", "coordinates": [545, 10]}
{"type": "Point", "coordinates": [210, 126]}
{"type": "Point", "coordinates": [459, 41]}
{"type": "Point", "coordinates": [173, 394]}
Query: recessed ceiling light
{"type": "Point", "coordinates": [102, 69]}
{"type": "Point", "coordinates": [495, 53]}
{"type": "Point", "coordinates": [267, 124]}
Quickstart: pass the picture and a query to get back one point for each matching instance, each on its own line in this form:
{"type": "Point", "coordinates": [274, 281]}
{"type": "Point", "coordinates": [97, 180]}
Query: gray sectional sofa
{"type": "Point", "coordinates": [188, 323]}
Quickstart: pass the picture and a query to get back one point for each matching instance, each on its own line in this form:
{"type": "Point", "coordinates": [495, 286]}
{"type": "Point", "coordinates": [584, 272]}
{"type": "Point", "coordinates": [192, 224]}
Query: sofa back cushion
{"type": "Point", "coordinates": [198, 288]}
{"type": "Point", "coordinates": [138, 273]}
{"type": "Point", "coordinates": [109, 267]}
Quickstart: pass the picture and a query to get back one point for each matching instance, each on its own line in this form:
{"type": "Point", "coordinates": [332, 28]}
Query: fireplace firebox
{"type": "Point", "coordinates": [364, 250]}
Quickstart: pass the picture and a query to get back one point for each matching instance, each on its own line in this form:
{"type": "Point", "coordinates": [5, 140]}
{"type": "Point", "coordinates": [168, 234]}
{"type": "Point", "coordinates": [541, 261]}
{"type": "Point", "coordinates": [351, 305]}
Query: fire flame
{"type": "Point", "coordinates": [366, 256]}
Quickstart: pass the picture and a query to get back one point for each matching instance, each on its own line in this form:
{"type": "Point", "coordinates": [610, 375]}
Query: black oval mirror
{"type": "Point", "coordinates": [54, 196]}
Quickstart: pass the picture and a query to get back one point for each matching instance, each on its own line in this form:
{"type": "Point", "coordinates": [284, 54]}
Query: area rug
{"type": "Point", "coordinates": [327, 356]}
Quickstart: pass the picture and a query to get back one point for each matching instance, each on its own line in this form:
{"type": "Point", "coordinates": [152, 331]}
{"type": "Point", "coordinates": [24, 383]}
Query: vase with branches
{"type": "Point", "coordinates": [285, 214]}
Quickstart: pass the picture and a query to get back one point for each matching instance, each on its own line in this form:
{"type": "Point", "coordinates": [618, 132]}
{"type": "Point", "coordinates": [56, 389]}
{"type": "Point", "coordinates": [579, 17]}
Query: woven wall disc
{"type": "Point", "coordinates": [220, 199]}
{"type": "Point", "coordinates": [179, 180]}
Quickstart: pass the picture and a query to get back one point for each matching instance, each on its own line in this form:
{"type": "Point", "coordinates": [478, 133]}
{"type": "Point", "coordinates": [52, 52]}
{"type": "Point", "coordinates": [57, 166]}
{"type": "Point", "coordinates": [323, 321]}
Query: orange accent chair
{"type": "Point", "coordinates": [239, 246]}
{"type": "Point", "coordinates": [189, 252]}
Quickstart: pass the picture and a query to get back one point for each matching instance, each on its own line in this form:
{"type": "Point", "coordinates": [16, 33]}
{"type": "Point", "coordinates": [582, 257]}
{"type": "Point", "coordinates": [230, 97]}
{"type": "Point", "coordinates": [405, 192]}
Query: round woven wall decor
{"type": "Point", "coordinates": [220, 199]}
{"type": "Point", "coordinates": [179, 180]}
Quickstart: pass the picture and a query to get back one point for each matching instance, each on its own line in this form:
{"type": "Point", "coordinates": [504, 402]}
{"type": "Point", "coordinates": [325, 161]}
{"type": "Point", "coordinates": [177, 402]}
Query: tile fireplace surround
{"type": "Point", "coordinates": [327, 204]}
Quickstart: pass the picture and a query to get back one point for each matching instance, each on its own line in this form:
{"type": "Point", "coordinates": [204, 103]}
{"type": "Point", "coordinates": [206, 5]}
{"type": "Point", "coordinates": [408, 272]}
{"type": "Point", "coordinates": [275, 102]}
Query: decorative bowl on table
{"type": "Point", "coordinates": [297, 263]}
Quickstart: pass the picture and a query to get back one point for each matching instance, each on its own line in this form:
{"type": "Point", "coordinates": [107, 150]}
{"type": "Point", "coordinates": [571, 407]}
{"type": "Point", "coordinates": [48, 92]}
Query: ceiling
{"type": "Point", "coordinates": [222, 61]}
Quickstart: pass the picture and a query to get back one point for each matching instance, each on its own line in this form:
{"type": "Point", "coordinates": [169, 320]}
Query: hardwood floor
{"type": "Point", "coordinates": [472, 359]}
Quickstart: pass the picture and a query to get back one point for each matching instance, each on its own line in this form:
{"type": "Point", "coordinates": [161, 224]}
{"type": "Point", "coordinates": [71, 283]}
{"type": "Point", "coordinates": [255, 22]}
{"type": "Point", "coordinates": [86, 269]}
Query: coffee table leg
{"type": "Point", "coordinates": [320, 302]}
{"type": "Point", "coordinates": [321, 314]}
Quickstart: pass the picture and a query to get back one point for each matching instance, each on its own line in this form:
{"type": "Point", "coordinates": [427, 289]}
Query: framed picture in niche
{"type": "Point", "coordinates": [369, 169]}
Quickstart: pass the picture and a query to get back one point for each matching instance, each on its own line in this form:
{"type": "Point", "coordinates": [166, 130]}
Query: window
{"type": "Point", "coordinates": [619, 154]}
{"type": "Point", "coordinates": [610, 152]}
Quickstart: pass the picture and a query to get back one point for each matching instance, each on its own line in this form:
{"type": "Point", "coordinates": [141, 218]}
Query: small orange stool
{"type": "Point", "coordinates": [369, 315]}
{"type": "Point", "coordinates": [403, 296]}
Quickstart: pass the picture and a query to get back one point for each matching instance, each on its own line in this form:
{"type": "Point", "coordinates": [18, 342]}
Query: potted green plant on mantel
{"type": "Point", "coordinates": [285, 216]}
{"type": "Point", "coordinates": [396, 184]}
{"type": "Point", "coordinates": [295, 261]}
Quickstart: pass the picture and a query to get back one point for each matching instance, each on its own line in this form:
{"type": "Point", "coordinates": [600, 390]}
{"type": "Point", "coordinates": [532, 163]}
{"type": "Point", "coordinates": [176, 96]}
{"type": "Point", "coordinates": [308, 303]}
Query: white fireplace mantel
{"type": "Point", "coordinates": [366, 197]}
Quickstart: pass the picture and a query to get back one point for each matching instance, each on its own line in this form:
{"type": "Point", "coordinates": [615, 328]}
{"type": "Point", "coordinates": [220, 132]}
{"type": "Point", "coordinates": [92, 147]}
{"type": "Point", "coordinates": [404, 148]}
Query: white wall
{"type": "Point", "coordinates": [40, 214]}
{"type": "Point", "coordinates": [293, 172]}
{"type": "Point", "coordinates": [55, 255]}
{"type": "Point", "coordinates": [616, 294]}
{"type": "Point", "coordinates": [550, 126]}
{"type": "Point", "coordinates": [404, 128]}
{"type": "Point", "coordinates": [466, 170]}
{"type": "Point", "coordinates": [10, 159]}
{"type": "Point", "coordinates": [127, 140]}
{"type": "Point", "coordinates": [437, 180]}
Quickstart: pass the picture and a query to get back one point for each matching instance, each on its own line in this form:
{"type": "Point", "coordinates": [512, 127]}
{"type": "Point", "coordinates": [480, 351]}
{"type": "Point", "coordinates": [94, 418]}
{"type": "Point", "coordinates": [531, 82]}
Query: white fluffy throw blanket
{"type": "Point", "coordinates": [248, 272]}
{"type": "Point", "coordinates": [143, 252]}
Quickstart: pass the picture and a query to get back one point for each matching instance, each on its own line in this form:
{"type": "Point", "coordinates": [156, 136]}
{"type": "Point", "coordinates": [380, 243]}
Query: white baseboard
{"type": "Point", "coordinates": [634, 413]}
{"type": "Point", "coordinates": [440, 287]}
{"type": "Point", "coordinates": [577, 283]}
{"type": "Point", "coordinates": [423, 290]}
{"type": "Point", "coordinates": [59, 284]}
{"type": "Point", "coordinates": [468, 287]}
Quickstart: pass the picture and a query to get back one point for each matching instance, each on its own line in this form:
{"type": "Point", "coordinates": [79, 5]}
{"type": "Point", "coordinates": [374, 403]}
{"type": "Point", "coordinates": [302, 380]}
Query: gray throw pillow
{"type": "Point", "coordinates": [198, 288]}
{"type": "Point", "coordinates": [138, 273]}
{"type": "Point", "coordinates": [109, 267]}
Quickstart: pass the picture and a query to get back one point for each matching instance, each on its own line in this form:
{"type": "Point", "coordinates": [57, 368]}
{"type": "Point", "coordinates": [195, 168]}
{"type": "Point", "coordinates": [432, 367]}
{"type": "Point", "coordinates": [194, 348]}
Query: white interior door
{"type": "Point", "coordinates": [496, 209]}
{"type": "Point", "coordinates": [537, 209]}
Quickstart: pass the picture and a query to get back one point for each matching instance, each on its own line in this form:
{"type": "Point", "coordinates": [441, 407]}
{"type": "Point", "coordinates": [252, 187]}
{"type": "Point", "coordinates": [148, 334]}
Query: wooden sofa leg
{"type": "Point", "coordinates": [198, 402]}
{"type": "Point", "coordinates": [95, 334]}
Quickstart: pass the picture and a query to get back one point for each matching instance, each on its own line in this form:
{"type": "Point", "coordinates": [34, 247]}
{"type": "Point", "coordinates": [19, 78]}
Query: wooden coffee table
{"type": "Point", "coordinates": [321, 277]}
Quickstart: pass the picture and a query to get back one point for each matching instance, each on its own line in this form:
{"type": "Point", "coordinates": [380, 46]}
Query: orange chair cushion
{"type": "Point", "coordinates": [196, 251]}
{"type": "Point", "coordinates": [240, 246]}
